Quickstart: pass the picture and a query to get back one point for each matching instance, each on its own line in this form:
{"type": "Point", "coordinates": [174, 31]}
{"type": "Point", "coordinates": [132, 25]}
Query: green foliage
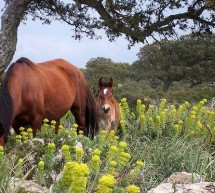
{"type": "Point", "coordinates": [170, 139]}
{"type": "Point", "coordinates": [210, 4]}
{"type": "Point", "coordinates": [189, 58]}
{"type": "Point", "coordinates": [176, 70]}
{"type": "Point", "coordinates": [137, 20]}
{"type": "Point", "coordinates": [105, 68]}
{"type": "Point", "coordinates": [154, 142]}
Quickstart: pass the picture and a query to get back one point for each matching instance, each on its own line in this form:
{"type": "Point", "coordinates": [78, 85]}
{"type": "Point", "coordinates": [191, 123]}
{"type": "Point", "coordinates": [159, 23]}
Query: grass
{"type": "Point", "coordinates": [156, 141]}
{"type": "Point", "coordinates": [165, 156]}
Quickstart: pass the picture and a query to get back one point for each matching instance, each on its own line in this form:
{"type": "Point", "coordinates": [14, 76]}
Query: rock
{"type": "Point", "coordinates": [183, 182]}
{"type": "Point", "coordinates": [183, 178]}
{"type": "Point", "coordinates": [26, 186]}
{"type": "Point", "coordinates": [202, 187]}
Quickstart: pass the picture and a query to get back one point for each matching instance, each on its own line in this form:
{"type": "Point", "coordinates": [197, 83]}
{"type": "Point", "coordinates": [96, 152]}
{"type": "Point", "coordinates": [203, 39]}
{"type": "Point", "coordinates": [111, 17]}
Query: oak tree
{"type": "Point", "coordinates": [136, 20]}
{"type": "Point", "coordinates": [190, 58]}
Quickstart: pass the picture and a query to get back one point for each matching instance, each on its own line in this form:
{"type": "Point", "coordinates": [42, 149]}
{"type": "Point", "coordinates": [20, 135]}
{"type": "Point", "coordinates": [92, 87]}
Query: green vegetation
{"type": "Point", "coordinates": [177, 70]}
{"type": "Point", "coordinates": [190, 58]}
{"type": "Point", "coordinates": [152, 144]}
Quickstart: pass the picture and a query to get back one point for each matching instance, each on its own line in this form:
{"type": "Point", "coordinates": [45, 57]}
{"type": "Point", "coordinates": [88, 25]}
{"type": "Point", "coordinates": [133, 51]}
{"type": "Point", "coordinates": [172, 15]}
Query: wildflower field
{"type": "Point", "coordinates": [152, 143]}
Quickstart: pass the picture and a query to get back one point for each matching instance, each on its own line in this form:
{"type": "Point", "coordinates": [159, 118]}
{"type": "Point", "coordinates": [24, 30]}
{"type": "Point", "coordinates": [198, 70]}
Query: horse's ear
{"type": "Point", "coordinates": [110, 83]}
{"type": "Point", "coordinates": [100, 82]}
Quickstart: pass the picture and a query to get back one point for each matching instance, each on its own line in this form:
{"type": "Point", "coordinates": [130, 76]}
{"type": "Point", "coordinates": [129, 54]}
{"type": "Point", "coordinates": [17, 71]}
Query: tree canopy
{"type": "Point", "coordinates": [136, 19]}
{"type": "Point", "coordinates": [105, 68]}
{"type": "Point", "coordinates": [190, 57]}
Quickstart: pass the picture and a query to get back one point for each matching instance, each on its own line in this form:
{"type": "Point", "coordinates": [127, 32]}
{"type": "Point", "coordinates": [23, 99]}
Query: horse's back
{"type": "Point", "coordinates": [65, 72]}
{"type": "Point", "coordinates": [50, 87]}
{"type": "Point", "coordinates": [65, 81]}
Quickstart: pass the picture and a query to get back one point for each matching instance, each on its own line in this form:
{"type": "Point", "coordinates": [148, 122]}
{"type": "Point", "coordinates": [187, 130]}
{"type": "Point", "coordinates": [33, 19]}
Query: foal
{"type": "Point", "coordinates": [108, 105]}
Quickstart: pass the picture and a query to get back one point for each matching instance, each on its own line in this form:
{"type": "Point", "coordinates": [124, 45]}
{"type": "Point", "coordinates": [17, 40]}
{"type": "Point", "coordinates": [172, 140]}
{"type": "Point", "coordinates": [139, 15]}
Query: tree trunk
{"type": "Point", "coordinates": [10, 20]}
{"type": "Point", "coordinates": [167, 85]}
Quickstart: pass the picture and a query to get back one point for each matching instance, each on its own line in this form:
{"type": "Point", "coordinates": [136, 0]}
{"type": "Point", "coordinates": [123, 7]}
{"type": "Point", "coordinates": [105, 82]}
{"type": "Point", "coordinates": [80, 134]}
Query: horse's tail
{"type": "Point", "coordinates": [92, 114]}
{"type": "Point", "coordinates": [6, 110]}
{"type": "Point", "coordinates": [6, 102]}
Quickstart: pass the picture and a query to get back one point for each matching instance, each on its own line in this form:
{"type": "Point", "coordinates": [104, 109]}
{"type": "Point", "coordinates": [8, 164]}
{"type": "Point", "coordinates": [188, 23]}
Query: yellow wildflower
{"type": "Point", "coordinates": [79, 154]}
{"type": "Point", "coordinates": [205, 100]}
{"type": "Point", "coordinates": [106, 184]}
{"type": "Point", "coordinates": [41, 165]}
{"type": "Point", "coordinates": [123, 100]}
{"type": "Point", "coordinates": [60, 127]}
{"type": "Point", "coordinates": [29, 130]}
{"type": "Point", "coordinates": [45, 120]}
{"type": "Point", "coordinates": [95, 162]}
{"type": "Point", "coordinates": [132, 189]}
{"type": "Point", "coordinates": [139, 102]}
{"type": "Point", "coordinates": [21, 129]}
{"type": "Point", "coordinates": [140, 163]}
{"type": "Point", "coordinates": [96, 152]}
{"type": "Point", "coordinates": [112, 166]}
{"type": "Point", "coordinates": [122, 144]}
{"type": "Point", "coordinates": [65, 148]}
{"type": "Point", "coordinates": [51, 145]}
{"type": "Point", "coordinates": [53, 122]}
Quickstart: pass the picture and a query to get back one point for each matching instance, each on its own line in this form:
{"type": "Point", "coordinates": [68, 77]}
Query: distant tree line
{"type": "Point", "coordinates": [190, 58]}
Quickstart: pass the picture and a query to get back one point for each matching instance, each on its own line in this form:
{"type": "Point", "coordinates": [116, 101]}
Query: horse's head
{"type": "Point", "coordinates": [104, 96]}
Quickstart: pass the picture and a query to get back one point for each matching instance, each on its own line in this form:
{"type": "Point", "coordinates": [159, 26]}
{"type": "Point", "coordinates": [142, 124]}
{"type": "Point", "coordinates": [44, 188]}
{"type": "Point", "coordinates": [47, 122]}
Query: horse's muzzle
{"type": "Point", "coordinates": [106, 110]}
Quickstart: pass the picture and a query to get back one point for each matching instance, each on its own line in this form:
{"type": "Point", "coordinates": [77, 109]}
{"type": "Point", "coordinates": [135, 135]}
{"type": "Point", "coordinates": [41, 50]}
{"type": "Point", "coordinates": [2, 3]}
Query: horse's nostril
{"type": "Point", "coordinates": [106, 110]}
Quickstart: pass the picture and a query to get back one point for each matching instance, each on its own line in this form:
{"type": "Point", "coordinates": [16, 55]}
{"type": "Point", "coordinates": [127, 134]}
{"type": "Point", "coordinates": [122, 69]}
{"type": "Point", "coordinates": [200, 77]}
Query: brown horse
{"type": "Point", "coordinates": [32, 92]}
{"type": "Point", "coordinates": [108, 105]}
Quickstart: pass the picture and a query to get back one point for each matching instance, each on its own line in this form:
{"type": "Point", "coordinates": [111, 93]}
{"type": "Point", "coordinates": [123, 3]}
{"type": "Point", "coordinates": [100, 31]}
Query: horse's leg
{"type": "Point", "coordinates": [36, 123]}
{"type": "Point", "coordinates": [57, 126]}
{"type": "Point", "coordinates": [16, 127]}
{"type": "Point", "coordinates": [79, 115]}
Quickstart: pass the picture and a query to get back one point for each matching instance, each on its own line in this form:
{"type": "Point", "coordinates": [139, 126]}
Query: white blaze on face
{"type": "Point", "coordinates": [105, 106]}
{"type": "Point", "coordinates": [105, 91]}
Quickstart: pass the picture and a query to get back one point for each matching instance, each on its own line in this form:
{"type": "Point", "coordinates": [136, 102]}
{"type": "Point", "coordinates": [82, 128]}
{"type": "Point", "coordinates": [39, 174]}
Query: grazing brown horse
{"type": "Point", "coordinates": [108, 105]}
{"type": "Point", "coordinates": [32, 92]}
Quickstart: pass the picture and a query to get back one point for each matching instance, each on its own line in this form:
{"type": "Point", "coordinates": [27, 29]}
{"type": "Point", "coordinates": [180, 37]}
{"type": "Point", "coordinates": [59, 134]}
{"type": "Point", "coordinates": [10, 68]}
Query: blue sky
{"type": "Point", "coordinates": [45, 42]}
